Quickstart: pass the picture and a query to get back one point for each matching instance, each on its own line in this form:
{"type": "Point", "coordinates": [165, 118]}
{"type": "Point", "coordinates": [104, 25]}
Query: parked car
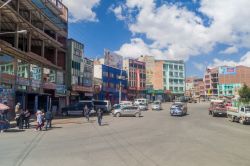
{"type": "Point", "coordinates": [104, 105]}
{"type": "Point", "coordinates": [77, 108]}
{"type": "Point", "coordinates": [241, 114]}
{"type": "Point", "coordinates": [178, 109]}
{"type": "Point", "coordinates": [192, 100]}
{"type": "Point", "coordinates": [143, 107]}
{"type": "Point", "coordinates": [138, 101]}
{"type": "Point", "coordinates": [156, 105]}
{"type": "Point", "coordinates": [126, 111]}
{"type": "Point", "coordinates": [217, 107]}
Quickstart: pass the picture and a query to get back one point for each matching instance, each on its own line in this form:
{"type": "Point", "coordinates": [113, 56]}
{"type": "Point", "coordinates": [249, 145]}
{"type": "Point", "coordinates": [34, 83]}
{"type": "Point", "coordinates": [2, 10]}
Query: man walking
{"type": "Point", "coordinates": [86, 112]}
{"type": "Point", "coordinates": [99, 116]}
{"type": "Point", "coordinates": [48, 118]}
{"type": "Point", "coordinates": [27, 119]}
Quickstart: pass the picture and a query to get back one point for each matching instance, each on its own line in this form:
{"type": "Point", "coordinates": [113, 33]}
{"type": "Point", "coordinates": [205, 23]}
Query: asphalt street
{"type": "Point", "coordinates": [155, 139]}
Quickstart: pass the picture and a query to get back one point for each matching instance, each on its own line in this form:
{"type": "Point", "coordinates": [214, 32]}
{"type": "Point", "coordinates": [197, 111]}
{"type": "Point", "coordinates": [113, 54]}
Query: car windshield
{"type": "Point", "coordinates": [156, 102]}
{"type": "Point", "coordinates": [247, 109]}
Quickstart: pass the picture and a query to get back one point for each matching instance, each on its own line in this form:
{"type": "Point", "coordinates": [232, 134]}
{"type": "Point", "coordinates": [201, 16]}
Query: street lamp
{"type": "Point", "coordinates": [5, 3]}
{"type": "Point", "coordinates": [21, 31]}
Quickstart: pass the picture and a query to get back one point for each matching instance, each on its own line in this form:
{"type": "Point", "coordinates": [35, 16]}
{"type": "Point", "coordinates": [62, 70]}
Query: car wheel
{"type": "Point", "coordinates": [242, 121]}
{"type": "Point", "coordinates": [137, 115]}
{"type": "Point", "coordinates": [118, 114]}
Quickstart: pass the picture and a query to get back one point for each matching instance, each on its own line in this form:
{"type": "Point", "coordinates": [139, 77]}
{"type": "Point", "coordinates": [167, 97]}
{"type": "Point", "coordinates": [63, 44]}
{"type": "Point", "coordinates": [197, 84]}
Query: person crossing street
{"type": "Point", "coordinates": [99, 116]}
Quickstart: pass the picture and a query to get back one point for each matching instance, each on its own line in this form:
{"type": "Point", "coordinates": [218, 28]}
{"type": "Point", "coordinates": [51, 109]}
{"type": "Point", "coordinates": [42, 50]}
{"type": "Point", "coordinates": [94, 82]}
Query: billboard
{"type": "Point", "coordinates": [225, 70]}
{"type": "Point", "coordinates": [113, 59]}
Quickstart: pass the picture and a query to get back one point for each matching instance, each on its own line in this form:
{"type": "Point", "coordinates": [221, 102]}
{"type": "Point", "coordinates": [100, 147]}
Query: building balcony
{"type": "Point", "coordinates": [57, 7]}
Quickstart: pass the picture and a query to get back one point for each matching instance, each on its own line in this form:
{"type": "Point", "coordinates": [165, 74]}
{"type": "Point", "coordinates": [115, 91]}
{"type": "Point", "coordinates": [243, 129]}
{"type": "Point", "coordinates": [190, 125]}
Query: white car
{"type": "Point", "coordinates": [156, 105]}
{"type": "Point", "coordinates": [143, 107]}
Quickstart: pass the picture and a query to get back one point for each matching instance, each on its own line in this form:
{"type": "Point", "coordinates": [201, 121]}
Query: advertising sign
{"type": "Point", "coordinates": [113, 59]}
{"type": "Point", "coordinates": [224, 70]}
{"type": "Point", "coordinates": [60, 89]}
{"type": "Point", "coordinates": [22, 81]}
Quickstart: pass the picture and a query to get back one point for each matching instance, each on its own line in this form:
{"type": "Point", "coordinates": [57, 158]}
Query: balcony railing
{"type": "Point", "coordinates": [58, 6]}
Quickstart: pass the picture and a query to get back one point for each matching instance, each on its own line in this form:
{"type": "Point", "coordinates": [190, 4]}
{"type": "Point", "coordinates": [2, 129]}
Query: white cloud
{"type": "Point", "coordinates": [199, 66]}
{"type": "Point", "coordinates": [118, 12]}
{"type": "Point", "coordinates": [244, 60]}
{"type": "Point", "coordinates": [230, 50]}
{"type": "Point", "coordinates": [137, 47]}
{"type": "Point", "coordinates": [81, 10]}
{"type": "Point", "coordinates": [179, 33]}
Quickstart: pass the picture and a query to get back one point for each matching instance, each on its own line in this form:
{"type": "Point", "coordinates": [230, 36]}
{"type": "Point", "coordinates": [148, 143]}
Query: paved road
{"type": "Point", "coordinates": [156, 139]}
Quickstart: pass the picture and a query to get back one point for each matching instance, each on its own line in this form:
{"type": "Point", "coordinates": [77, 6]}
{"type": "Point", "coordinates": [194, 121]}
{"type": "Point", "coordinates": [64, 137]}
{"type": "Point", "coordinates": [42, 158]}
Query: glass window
{"type": "Point", "coordinates": [7, 64]}
{"type": "Point", "coordinates": [49, 75]}
{"type": "Point", "coordinates": [176, 67]}
{"type": "Point", "coordinates": [35, 72]}
{"type": "Point", "coordinates": [171, 66]}
{"type": "Point", "coordinates": [22, 69]}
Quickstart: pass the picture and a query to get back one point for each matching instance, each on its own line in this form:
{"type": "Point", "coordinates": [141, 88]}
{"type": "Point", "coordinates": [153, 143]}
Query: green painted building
{"type": "Point", "coordinates": [174, 77]}
{"type": "Point", "coordinates": [228, 89]}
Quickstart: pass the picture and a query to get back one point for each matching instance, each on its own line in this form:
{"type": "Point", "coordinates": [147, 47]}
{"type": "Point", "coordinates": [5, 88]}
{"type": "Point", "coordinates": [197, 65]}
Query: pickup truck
{"type": "Point", "coordinates": [241, 114]}
{"type": "Point", "coordinates": [217, 108]}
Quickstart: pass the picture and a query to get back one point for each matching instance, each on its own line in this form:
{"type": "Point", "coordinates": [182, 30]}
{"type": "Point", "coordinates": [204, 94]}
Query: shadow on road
{"type": "Point", "coordinates": [14, 130]}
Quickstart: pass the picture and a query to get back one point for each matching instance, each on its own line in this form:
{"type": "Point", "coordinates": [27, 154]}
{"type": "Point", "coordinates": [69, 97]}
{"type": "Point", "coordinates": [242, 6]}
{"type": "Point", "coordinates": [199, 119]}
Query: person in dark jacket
{"type": "Point", "coordinates": [99, 116]}
{"type": "Point", "coordinates": [27, 119]}
{"type": "Point", "coordinates": [86, 112]}
{"type": "Point", "coordinates": [48, 118]}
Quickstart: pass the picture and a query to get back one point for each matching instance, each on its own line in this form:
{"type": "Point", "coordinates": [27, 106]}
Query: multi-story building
{"type": "Point", "coordinates": [190, 90]}
{"type": "Point", "coordinates": [136, 78]}
{"type": "Point", "coordinates": [211, 82]}
{"type": "Point", "coordinates": [231, 79]}
{"type": "Point", "coordinates": [113, 83]}
{"type": "Point", "coordinates": [88, 76]}
{"type": "Point", "coordinates": [79, 72]}
{"type": "Point", "coordinates": [199, 88]}
{"type": "Point", "coordinates": [174, 77]}
{"type": "Point", "coordinates": [36, 76]}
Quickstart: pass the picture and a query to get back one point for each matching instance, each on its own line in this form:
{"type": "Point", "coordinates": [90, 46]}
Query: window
{"type": "Point", "coordinates": [171, 73]}
{"type": "Point", "coordinates": [180, 67]}
{"type": "Point", "coordinates": [176, 67]}
{"type": "Point", "coordinates": [170, 66]}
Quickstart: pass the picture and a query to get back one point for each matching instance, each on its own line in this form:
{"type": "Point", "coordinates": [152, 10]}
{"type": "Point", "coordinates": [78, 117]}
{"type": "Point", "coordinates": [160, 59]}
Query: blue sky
{"type": "Point", "coordinates": [204, 33]}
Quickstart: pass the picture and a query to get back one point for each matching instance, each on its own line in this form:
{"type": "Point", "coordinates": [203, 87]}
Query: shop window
{"type": "Point", "coordinates": [35, 72]}
{"type": "Point", "coordinates": [7, 64]}
{"type": "Point", "coordinates": [22, 69]}
{"type": "Point", "coordinates": [49, 75]}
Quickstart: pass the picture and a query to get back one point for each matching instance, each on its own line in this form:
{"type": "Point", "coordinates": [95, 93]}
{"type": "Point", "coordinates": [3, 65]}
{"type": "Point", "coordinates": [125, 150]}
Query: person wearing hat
{"type": "Point", "coordinates": [18, 113]}
{"type": "Point", "coordinates": [39, 120]}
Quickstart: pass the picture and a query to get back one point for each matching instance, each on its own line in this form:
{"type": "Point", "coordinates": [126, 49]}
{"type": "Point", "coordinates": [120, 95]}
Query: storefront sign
{"type": "Point", "coordinates": [22, 81]}
{"type": "Point", "coordinates": [7, 78]}
{"type": "Point", "coordinates": [88, 94]}
{"type": "Point", "coordinates": [35, 83]}
{"type": "Point", "coordinates": [48, 85]}
{"type": "Point", "coordinates": [82, 88]}
{"type": "Point", "coordinates": [60, 89]}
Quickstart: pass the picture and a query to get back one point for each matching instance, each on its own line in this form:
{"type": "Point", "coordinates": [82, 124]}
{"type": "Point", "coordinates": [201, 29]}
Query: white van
{"type": "Point", "coordinates": [140, 101]}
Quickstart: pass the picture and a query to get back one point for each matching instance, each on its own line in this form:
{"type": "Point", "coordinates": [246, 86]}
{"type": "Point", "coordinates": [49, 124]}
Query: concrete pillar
{"type": "Point", "coordinates": [16, 37]}
{"type": "Point", "coordinates": [17, 6]}
{"type": "Point", "coordinates": [29, 42]}
{"type": "Point", "coordinates": [30, 16]}
{"type": "Point", "coordinates": [56, 55]}
{"type": "Point", "coordinates": [43, 48]}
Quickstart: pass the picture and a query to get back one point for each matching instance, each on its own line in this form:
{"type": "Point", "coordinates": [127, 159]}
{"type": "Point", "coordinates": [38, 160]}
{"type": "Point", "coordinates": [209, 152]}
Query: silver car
{"type": "Point", "coordinates": [143, 106]}
{"type": "Point", "coordinates": [126, 111]}
{"type": "Point", "coordinates": [156, 105]}
{"type": "Point", "coordinates": [178, 109]}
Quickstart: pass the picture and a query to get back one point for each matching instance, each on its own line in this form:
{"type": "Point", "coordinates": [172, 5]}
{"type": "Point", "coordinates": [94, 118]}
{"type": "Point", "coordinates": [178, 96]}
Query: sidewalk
{"type": "Point", "coordinates": [56, 120]}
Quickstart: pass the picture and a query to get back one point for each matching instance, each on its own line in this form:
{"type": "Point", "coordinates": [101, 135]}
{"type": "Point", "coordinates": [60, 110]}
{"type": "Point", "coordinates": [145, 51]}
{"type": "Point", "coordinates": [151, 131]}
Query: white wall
{"type": "Point", "coordinates": [98, 71]}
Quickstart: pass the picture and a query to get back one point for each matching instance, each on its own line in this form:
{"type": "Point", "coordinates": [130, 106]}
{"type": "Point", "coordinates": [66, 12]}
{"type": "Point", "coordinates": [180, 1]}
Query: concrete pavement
{"type": "Point", "coordinates": [154, 139]}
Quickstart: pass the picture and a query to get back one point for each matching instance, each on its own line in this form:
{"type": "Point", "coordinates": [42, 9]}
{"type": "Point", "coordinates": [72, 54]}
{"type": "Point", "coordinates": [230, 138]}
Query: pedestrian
{"type": "Point", "coordinates": [86, 112]}
{"type": "Point", "coordinates": [17, 112]}
{"type": "Point", "coordinates": [39, 120]}
{"type": "Point", "coordinates": [48, 118]}
{"type": "Point", "coordinates": [99, 116]}
{"type": "Point", "coordinates": [27, 119]}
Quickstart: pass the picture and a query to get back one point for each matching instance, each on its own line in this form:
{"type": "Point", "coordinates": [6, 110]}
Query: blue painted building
{"type": "Point", "coordinates": [111, 78]}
